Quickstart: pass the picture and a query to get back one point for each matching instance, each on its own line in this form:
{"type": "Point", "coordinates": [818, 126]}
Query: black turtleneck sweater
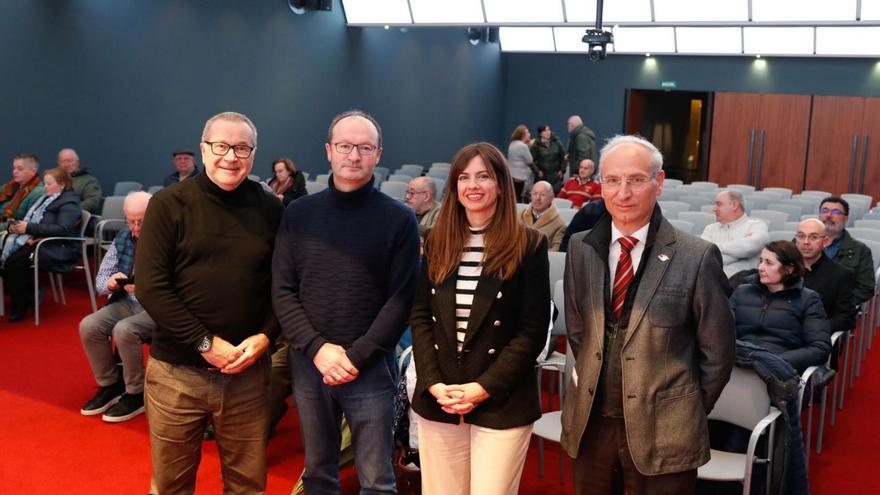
{"type": "Point", "coordinates": [345, 270]}
{"type": "Point", "coordinates": [204, 266]}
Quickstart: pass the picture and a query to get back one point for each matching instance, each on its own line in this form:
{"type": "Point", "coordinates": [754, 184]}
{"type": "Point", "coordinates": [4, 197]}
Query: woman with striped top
{"type": "Point", "coordinates": [479, 321]}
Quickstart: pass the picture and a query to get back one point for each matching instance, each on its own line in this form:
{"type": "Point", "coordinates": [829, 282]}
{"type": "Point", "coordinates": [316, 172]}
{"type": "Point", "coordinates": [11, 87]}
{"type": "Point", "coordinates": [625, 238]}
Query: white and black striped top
{"type": "Point", "coordinates": [469, 271]}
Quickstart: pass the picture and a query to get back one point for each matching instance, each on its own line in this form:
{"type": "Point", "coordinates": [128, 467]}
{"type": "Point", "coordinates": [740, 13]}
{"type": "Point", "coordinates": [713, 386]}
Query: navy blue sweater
{"type": "Point", "coordinates": [344, 271]}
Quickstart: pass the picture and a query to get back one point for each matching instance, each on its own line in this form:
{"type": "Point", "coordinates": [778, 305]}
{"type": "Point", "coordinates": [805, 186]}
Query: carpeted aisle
{"type": "Point", "coordinates": [47, 447]}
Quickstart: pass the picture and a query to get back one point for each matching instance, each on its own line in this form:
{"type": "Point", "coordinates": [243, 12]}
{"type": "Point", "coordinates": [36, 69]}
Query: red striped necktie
{"type": "Point", "coordinates": [624, 274]}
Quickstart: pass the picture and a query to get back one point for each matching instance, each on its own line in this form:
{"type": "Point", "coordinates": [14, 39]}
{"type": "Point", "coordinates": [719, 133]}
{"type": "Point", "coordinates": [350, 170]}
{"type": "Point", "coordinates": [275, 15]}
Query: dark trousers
{"type": "Point", "coordinates": [18, 277]}
{"type": "Point", "coordinates": [604, 465]}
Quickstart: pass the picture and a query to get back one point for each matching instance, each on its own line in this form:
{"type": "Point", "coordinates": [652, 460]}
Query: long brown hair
{"type": "Point", "coordinates": [505, 238]}
{"type": "Point", "coordinates": [278, 186]}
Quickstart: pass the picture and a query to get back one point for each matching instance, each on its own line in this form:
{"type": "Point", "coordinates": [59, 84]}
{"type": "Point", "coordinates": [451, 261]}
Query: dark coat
{"type": "Point", "coordinates": [581, 146]}
{"type": "Point", "coordinates": [790, 322]}
{"type": "Point", "coordinates": [61, 219]}
{"type": "Point", "coordinates": [583, 220]}
{"type": "Point", "coordinates": [857, 257]}
{"type": "Point", "coordinates": [506, 332]}
{"type": "Point", "coordinates": [677, 349]}
{"type": "Point", "coordinates": [174, 178]}
{"type": "Point", "coordinates": [834, 283]}
{"type": "Point", "coordinates": [548, 158]}
{"type": "Point", "coordinates": [297, 190]}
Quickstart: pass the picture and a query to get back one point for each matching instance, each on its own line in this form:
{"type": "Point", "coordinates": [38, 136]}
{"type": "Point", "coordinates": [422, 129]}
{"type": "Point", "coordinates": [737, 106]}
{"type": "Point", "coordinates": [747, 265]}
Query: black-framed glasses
{"type": "Point", "coordinates": [836, 211]}
{"type": "Point", "coordinates": [239, 150]}
{"type": "Point", "coordinates": [363, 149]}
{"type": "Point", "coordinates": [410, 192]}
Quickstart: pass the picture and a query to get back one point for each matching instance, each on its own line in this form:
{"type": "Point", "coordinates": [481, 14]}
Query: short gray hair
{"type": "Point", "coordinates": [231, 117]}
{"type": "Point", "coordinates": [737, 197]}
{"type": "Point", "coordinates": [135, 198]}
{"type": "Point", "coordinates": [544, 184]}
{"type": "Point", "coordinates": [428, 183]}
{"type": "Point", "coordinates": [621, 139]}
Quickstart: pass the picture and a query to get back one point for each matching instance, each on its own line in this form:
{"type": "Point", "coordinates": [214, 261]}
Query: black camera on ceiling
{"type": "Point", "coordinates": [598, 41]}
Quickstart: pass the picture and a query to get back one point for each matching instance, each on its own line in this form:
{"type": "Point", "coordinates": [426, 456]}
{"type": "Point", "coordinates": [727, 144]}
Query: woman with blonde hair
{"type": "Point", "coordinates": [479, 321]}
{"type": "Point", "coordinates": [519, 157]}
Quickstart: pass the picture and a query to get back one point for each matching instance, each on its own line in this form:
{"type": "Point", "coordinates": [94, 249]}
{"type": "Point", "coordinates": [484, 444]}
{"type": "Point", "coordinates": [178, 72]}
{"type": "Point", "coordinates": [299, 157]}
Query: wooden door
{"type": "Point", "coordinates": [781, 155]}
{"type": "Point", "coordinates": [835, 129]}
{"type": "Point", "coordinates": [869, 150]}
{"type": "Point", "coordinates": [734, 119]}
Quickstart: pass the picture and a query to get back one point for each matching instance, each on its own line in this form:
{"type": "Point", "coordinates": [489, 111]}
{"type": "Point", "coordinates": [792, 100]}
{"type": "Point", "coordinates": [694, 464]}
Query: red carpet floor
{"type": "Point", "coordinates": [47, 447]}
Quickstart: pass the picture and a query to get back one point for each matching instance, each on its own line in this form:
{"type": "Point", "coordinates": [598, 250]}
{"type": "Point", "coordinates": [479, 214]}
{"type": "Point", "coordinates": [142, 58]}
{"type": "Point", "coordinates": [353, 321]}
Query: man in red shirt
{"type": "Point", "coordinates": [582, 188]}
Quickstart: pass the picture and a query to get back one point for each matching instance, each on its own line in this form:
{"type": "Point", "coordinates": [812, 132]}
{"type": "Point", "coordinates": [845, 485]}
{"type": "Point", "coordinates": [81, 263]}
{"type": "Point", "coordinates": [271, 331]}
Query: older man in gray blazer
{"type": "Point", "coordinates": [649, 323]}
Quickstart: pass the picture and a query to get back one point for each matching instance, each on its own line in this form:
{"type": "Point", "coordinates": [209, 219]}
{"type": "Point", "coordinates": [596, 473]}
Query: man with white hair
{"type": "Point", "coordinates": [830, 279]}
{"type": "Point", "coordinates": [421, 196]}
{"type": "Point", "coordinates": [543, 216]}
{"type": "Point", "coordinates": [123, 318]}
{"type": "Point", "coordinates": [84, 184]}
{"type": "Point", "coordinates": [739, 238]}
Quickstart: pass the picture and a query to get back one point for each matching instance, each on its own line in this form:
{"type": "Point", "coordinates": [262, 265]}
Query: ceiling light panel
{"type": "Point", "coordinates": [616, 11]}
{"type": "Point", "coordinates": [499, 11]}
{"type": "Point", "coordinates": [644, 40]}
{"type": "Point", "coordinates": [701, 10]}
{"type": "Point", "coordinates": [467, 12]}
{"type": "Point", "coordinates": [526, 39]}
{"type": "Point", "coordinates": [778, 40]}
{"type": "Point", "coordinates": [376, 12]}
{"type": "Point", "coordinates": [858, 41]}
{"type": "Point", "coordinates": [715, 40]}
{"type": "Point", "coordinates": [871, 10]}
{"type": "Point", "coordinates": [568, 40]}
{"type": "Point", "coordinates": [803, 10]}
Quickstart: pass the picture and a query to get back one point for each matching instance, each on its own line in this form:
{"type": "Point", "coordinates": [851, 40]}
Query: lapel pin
{"type": "Point", "coordinates": [663, 257]}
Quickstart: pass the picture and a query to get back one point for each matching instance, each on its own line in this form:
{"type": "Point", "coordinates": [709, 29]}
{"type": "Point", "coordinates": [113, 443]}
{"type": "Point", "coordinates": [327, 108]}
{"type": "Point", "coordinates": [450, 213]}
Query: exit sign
{"type": "Point", "coordinates": [668, 84]}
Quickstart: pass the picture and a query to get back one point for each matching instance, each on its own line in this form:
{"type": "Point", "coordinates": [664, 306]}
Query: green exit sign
{"type": "Point", "coordinates": [668, 84]}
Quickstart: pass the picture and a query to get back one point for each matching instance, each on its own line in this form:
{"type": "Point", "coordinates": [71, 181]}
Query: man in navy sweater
{"type": "Point", "coordinates": [344, 272]}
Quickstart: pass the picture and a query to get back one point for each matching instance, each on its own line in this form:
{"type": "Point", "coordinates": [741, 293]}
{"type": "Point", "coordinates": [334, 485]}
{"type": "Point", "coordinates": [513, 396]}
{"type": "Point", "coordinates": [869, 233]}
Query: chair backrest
{"type": "Point", "coordinates": [874, 246]}
{"type": "Point", "coordinates": [704, 184]}
{"type": "Point", "coordinates": [695, 202]}
{"type": "Point", "coordinates": [557, 266]}
{"type": "Point", "coordinates": [786, 192]}
{"type": "Point", "coordinates": [559, 300]}
{"type": "Point", "coordinates": [793, 211]}
{"type": "Point", "coordinates": [322, 178]}
{"type": "Point", "coordinates": [667, 182]}
{"type": "Point", "coordinates": [813, 192]}
{"type": "Point", "coordinates": [566, 214]}
{"type": "Point", "coordinates": [708, 209]}
{"type": "Point", "coordinates": [122, 188]}
{"type": "Point", "coordinates": [445, 165]}
{"type": "Point", "coordinates": [381, 170]}
{"type": "Point", "coordinates": [396, 190]}
{"type": "Point", "coordinates": [754, 202]}
{"type": "Point", "coordinates": [781, 235]}
{"type": "Point", "coordinates": [682, 225]}
{"type": "Point", "coordinates": [670, 194]}
{"type": "Point", "coordinates": [562, 203]}
{"type": "Point", "coordinates": [412, 169]}
{"type": "Point", "coordinates": [868, 224]}
{"type": "Point", "coordinates": [521, 207]}
{"type": "Point", "coordinates": [112, 208]}
{"type": "Point", "coordinates": [398, 177]}
{"type": "Point", "coordinates": [744, 401]}
{"type": "Point", "coordinates": [438, 173]}
{"type": "Point", "coordinates": [775, 219]}
{"type": "Point", "coordinates": [743, 188]}
{"type": "Point", "coordinates": [791, 226]}
{"type": "Point", "coordinates": [85, 216]}
{"type": "Point", "coordinates": [254, 177]}
{"type": "Point", "coordinates": [315, 187]}
{"type": "Point", "coordinates": [671, 209]}
{"type": "Point", "coordinates": [154, 189]}
{"type": "Point", "coordinates": [862, 234]}
{"type": "Point", "coordinates": [699, 220]}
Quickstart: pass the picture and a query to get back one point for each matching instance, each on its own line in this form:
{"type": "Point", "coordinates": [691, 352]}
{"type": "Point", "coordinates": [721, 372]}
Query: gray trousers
{"type": "Point", "coordinates": [129, 326]}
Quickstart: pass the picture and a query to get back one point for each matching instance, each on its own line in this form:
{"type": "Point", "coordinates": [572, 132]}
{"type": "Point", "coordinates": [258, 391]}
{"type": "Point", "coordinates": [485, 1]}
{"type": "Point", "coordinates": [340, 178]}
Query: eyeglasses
{"type": "Point", "coordinates": [410, 192]}
{"type": "Point", "coordinates": [363, 149]}
{"type": "Point", "coordinates": [836, 211]}
{"type": "Point", "coordinates": [635, 183]}
{"type": "Point", "coordinates": [239, 150]}
{"type": "Point", "coordinates": [801, 237]}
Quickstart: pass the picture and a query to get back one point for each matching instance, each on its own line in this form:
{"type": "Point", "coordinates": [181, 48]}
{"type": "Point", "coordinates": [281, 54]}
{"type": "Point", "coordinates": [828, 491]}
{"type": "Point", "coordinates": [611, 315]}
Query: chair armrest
{"type": "Point", "coordinates": [759, 429]}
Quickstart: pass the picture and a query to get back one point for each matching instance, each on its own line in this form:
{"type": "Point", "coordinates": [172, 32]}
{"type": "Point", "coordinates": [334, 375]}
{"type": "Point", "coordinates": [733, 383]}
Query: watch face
{"type": "Point", "coordinates": [205, 344]}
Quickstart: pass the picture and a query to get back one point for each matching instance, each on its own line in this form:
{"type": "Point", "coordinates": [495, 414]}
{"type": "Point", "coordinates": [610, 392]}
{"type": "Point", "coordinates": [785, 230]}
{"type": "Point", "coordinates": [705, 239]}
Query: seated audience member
{"type": "Point", "coordinates": [774, 310]}
{"type": "Point", "coordinates": [543, 215]}
{"type": "Point", "coordinates": [852, 254]}
{"type": "Point", "coordinates": [548, 157]}
{"type": "Point", "coordinates": [287, 182]}
{"type": "Point", "coordinates": [738, 237]}
{"type": "Point", "coordinates": [19, 194]}
{"type": "Point", "coordinates": [56, 214]}
{"type": "Point", "coordinates": [581, 188]}
{"type": "Point", "coordinates": [122, 318]}
{"type": "Point", "coordinates": [421, 196]}
{"type": "Point", "coordinates": [833, 282]}
{"type": "Point", "coordinates": [583, 220]}
{"type": "Point", "coordinates": [86, 186]}
{"type": "Point", "coordinates": [185, 163]}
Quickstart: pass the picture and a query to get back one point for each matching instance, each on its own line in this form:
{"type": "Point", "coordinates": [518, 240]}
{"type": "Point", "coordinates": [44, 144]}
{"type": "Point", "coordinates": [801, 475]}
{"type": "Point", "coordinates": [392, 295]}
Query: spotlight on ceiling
{"type": "Point", "coordinates": [300, 7]}
{"type": "Point", "coordinates": [475, 35]}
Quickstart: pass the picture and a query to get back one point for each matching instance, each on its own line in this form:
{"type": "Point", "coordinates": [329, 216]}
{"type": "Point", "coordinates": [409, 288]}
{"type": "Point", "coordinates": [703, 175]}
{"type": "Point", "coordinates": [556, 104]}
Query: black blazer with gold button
{"type": "Point", "coordinates": [506, 331]}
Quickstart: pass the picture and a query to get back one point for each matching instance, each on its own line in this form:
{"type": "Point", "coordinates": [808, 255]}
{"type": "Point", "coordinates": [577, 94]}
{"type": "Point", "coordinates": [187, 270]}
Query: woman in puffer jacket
{"type": "Point", "coordinates": [774, 310]}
